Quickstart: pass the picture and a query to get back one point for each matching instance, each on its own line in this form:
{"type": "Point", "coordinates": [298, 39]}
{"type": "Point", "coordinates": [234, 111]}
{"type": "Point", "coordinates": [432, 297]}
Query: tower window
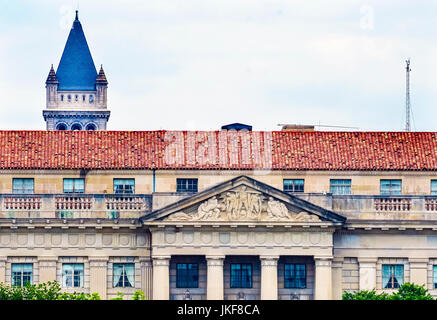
{"type": "Point", "coordinates": [83, 98]}
{"type": "Point", "coordinates": [91, 98]}
{"type": "Point", "coordinates": [62, 97]}
{"type": "Point", "coordinates": [61, 127]}
{"type": "Point", "coordinates": [76, 97]}
{"type": "Point", "coordinates": [91, 127]}
{"type": "Point", "coordinates": [69, 98]}
{"type": "Point", "coordinates": [76, 126]}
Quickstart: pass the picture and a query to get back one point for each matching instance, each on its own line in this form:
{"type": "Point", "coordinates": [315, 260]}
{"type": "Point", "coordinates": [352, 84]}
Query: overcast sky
{"type": "Point", "coordinates": [199, 64]}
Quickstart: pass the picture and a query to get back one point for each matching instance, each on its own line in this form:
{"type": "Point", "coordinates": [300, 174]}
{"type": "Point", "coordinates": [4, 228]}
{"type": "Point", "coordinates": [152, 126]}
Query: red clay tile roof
{"type": "Point", "coordinates": [157, 150]}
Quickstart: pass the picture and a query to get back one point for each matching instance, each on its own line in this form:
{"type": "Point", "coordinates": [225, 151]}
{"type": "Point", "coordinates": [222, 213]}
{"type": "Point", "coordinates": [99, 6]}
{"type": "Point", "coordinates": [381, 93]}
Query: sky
{"type": "Point", "coordinates": [201, 64]}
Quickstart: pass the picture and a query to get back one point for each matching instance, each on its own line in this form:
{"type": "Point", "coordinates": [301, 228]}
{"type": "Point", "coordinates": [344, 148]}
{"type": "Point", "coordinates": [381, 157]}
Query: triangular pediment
{"type": "Point", "coordinates": [243, 200]}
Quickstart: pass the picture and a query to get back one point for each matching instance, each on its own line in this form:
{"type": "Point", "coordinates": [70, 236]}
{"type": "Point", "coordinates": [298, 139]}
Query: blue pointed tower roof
{"type": "Point", "coordinates": [76, 71]}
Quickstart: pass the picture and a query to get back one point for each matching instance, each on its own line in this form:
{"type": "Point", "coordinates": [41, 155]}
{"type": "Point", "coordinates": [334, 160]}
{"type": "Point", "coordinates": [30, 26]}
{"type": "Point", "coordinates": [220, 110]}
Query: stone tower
{"type": "Point", "coordinates": [76, 94]}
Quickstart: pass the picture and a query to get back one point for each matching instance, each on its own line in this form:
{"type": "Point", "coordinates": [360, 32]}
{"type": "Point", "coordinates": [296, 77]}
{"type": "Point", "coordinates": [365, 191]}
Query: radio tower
{"type": "Point", "coordinates": [407, 102]}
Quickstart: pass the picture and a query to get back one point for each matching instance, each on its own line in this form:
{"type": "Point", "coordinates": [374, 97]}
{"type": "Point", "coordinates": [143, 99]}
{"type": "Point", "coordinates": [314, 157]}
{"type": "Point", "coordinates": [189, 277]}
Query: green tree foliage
{"type": "Point", "coordinates": [52, 291]}
{"type": "Point", "coordinates": [408, 291]}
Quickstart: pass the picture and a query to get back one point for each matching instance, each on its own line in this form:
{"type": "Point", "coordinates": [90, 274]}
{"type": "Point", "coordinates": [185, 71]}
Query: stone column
{"type": "Point", "coordinates": [214, 278]}
{"type": "Point", "coordinates": [98, 275]}
{"type": "Point", "coordinates": [47, 268]}
{"type": "Point", "coordinates": [3, 269]}
{"type": "Point", "coordinates": [337, 278]}
{"type": "Point", "coordinates": [161, 278]}
{"type": "Point", "coordinates": [419, 271]}
{"type": "Point", "coordinates": [367, 273]}
{"type": "Point", "coordinates": [269, 277]}
{"type": "Point", "coordinates": [323, 278]}
{"type": "Point", "coordinates": [146, 276]}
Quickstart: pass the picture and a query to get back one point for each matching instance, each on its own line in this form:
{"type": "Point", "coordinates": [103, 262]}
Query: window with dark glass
{"type": "Point", "coordinates": [74, 185]}
{"type": "Point", "coordinates": [294, 276]}
{"type": "Point", "coordinates": [22, 274]}
{"type": "Point", "coordinates": [241, 275]}
{"type": "Point", "coordinates": [22, 186]}
{"type": "Point", "coordinates": [392, 276]}
{"type": "Point", "coordinates": [186, 185]}
{"type": "Point", "coordinates": [124, 275]}
{"type": "Point", "coordinates": [391, 187]}
{"type": "Point", "coordinates": [187, 275]}
{"type": "Point", "coordinates": [434, 276]}
{"type": "Point", "coordinates": [294, 185]}
{"type": "Point", "coordinates": [62, 97]}
{"type": "Point", "coordinates": [340, 186]}
{"type": "Point", "coordinates": [124, 185]}
{"type": "Point", "coordinates": [72, 275]}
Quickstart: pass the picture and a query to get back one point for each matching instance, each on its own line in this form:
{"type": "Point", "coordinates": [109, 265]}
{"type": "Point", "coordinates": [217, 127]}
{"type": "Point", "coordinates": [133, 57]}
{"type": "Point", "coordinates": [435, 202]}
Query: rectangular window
{"type": "Point", "coordinates": [392, 276]}
{"type": "Point", "coordinates": [124, 275]}
{"type": "Point", "coordinates": [22, 186]}
{"type": "Point", "coordinates": [340, 186]}
{"type": "Point", "coordinates": [241, 275]}
{"type": "Point", "coordinates": [124, 185]}
{"type": "Point", "coordinates": [72, 275]}
{"type": "Point", "coordinates": [391, 187]}
{"type": "Point", "coordinates": [434, 276]}
{"type": "Point", "coordinates": [186, 185]}
{"type": "Point", "coordinates": [22, 274]}
{"type": "Point", "coordinates": [295, 276]}
{"type": "Point", "coordinates": [434, 187]}
{"type": "Point", "coordinates": [293, 185]}
{"type": "Point", "coordinates": [187, 275]}
{"type": "Point", "coordinates": [74, 185]}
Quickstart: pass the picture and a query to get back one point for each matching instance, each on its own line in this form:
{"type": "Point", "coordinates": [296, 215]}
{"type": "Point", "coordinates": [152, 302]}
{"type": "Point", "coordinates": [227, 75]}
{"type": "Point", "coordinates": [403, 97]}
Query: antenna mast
{"type": "Point", "coordinates": [407, 102]}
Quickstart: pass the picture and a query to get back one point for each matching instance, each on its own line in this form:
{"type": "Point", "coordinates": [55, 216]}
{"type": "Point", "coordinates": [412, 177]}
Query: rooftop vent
{"type": "Point", "coordinates": [237, 126]}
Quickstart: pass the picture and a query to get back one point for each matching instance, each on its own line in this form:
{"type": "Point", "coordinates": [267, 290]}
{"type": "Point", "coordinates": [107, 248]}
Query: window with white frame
{"type": "Point", "coordinates": [22, 185]}
{"type": "Point", "coordinates": [22, 274]}
{"type": "Point", "coordinates": [434, 187]}
{"type": "Point", "coordinates": [74, 185]}
{"type": "Point", "coordinates": [391, 187]}
{"type": "Point", "coordinates": [72, 275]}
{"type": "Point", "coordinates": [124, 185]}
{"type": "Point", "coordinates": [340, 186]}
{"type": "Point", "coordinates": [392, 276]}
{"type": "Point", "coordinates": [186, 185]}
{"type": "Point", "coordinates": [123, 274]}
{"type": "Point", "coordinates": [294, 185]}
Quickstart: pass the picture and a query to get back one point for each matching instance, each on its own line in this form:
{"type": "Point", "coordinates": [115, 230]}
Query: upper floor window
{"type": "Point", "coordinates": [91, 98]}
{"type": "Point", "coordinates": [124, 185]}
{"type": "Point", "coordinates": [83, 98]}
{"type": "Point", "coordinates": [392, 276]}
{"type": "Point", "coordinates": [76, 127]}
{"type": "Point", "coordinates": [124, 275]}
{"type": "Point", "coordinates": [22, 186]}
{"type": "Point", "coordinates": [22, 274]}
{"type": "Point", "coordinates": [186, 185]}
{"type": "Point", "coordinates": [72, 275]}
{"type": "Point", "coordinates": [74, 185]}
{"type": "Point", "coordinates": [340, 186]}
{"type": "Point", "coordinates": [391, 187]}
{"type": "Point", "coordinates": [187, 275]}
{"type": "Point", "coordinates": [69, 98]}
{"type": "Point", "coordinates": [294, 185]}
{"type": "Point", "coordinates": [294, 275]}
{"type": "Point", "coordinates": [76, 97]}
{"type": "Point", "coordinates": [434, 187]}
{"type": "Point", "coordinates": [62, 97]}
{"type": "Point", "coordinates": [434, 277]}
{"type": "Point", "coordinates": [241, 275]}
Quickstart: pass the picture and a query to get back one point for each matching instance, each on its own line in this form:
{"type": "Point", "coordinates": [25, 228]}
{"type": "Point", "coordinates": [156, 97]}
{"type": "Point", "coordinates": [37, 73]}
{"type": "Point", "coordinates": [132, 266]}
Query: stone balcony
{"type": "Point", "coordinates": [76, 206]}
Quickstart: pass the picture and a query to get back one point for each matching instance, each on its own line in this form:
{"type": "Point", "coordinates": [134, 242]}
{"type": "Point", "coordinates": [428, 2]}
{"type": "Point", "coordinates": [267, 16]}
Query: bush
{"type": "Point", "coordinates": [408, 291]}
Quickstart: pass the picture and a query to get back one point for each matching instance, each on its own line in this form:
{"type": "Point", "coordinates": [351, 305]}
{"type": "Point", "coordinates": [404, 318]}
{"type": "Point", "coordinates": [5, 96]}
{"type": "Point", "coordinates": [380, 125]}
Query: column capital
{"type": "Point", "coordinates": [46, 259]}
{"type": "Point", "coordinates": [323, 261]}
{"type": "Point", "coordinates": [369, 260]}
{"type": "Point", "coordinates": [161, 260]}
{"type": "Point", "coordinates": [215, 260]}
{"type": "Point", "coordinates": [418, 263]}
{"type": "Point", "coordinates": [269, 261]}
{"type": "Point", "coordinates": [337, 262]}
{"type": "Point", "coordinates": [418, 260]}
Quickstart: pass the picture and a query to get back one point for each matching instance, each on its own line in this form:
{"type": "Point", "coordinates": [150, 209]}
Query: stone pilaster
{"type": "Point", "coordinates": [146, 276]}
{"type": "Point", "coordinates": [337, 278]}
{"type": "Point", "coordinates": [98, 275]}
{"type": "Point", "coordinates": [418, 271]}
{"type": "Point", "coordinates": [214, 276]}
{"type": "Point", "coordinates": [367, 273]}
{"type": "Point", "coordinates": [3, 269]}
{"type": "Point", "coordinates": [47, 268]}
{"type": "Point", "coordinates": [161, 278]}
{"type": "Point", "coordinates": [323, 278]}
{"type": "Point", "coordinates": [269, 277]}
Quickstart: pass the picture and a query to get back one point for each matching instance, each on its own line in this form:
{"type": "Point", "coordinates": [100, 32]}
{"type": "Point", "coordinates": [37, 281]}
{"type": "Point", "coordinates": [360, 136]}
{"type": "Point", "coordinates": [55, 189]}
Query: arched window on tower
{"type": "Point", "coordinates": [91, 127]}
{"type": "Point", "coordinates": [69, 98]}
{"type": "Point", "coordinates": [62, 97]}
{"type": "Point", "coordinates": [76, 97]}
{"type": "Point", "coordinates": [61, 127]}
{"type": "Point", "coordinates": [76, 127]}
{"type": "Point", "coordinates": [91, 98]}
